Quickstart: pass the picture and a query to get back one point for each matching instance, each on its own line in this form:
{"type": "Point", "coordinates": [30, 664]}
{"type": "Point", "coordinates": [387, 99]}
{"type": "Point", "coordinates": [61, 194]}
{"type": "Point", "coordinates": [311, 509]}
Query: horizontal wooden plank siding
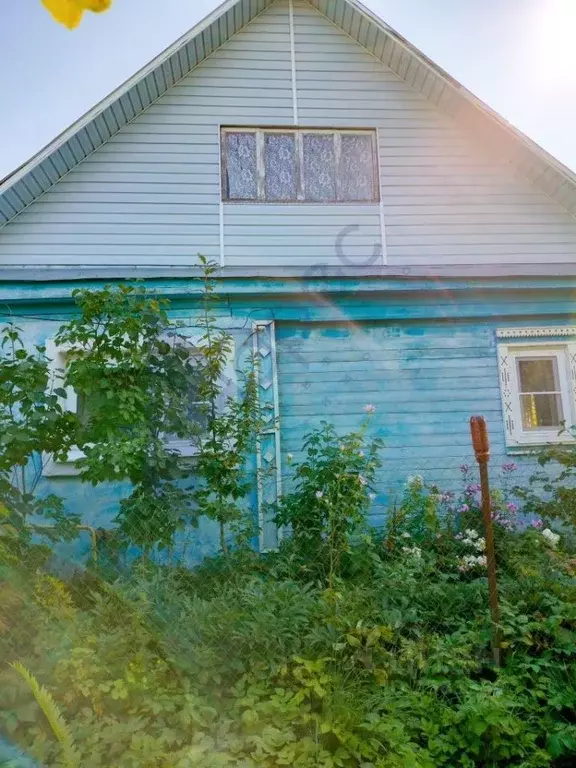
{"type": "Point", "coordinates": [445, 200]}
{"type": "Point", "coordinates": [150, 196]}
{"type": "Point", "coordinates": [426, 379]}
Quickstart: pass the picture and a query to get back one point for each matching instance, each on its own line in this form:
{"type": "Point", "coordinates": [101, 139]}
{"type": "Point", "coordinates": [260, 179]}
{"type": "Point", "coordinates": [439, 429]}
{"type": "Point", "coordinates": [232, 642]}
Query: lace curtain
{"type": "Point", "coordinates": [241, 170]}
{"type": "Point", "coordinates": [319, 167]}
{"type": "Point", "coordinates": [356, 172]}
{"type": "Point", "coordinates": [280, 166]}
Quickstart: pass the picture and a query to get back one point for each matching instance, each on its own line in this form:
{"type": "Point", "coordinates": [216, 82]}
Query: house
{"type": "Point", "coordinates": [383, 236]}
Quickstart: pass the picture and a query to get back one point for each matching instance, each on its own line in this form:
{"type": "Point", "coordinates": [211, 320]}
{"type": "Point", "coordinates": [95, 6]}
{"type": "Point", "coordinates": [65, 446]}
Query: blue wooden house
{"type": "Point", "coordinates": [383, 236]}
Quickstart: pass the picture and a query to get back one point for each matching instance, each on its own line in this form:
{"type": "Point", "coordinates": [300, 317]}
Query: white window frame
{"type": "Point", "coordinates": [564, 352]}
{"type": "Point", "coordinates": [299, 149]}
{"type": "Point", "coordinates": [58, 357]}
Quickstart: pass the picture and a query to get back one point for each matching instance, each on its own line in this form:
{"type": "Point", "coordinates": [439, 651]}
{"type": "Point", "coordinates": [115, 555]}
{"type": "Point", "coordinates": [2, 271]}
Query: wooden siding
{"type": "Point", "coordinates": [425, 378]}
{"type": "Point", "coordinates": [151, 195]}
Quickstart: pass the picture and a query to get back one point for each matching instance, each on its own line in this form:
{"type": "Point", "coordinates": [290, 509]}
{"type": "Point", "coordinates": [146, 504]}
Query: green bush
{"type": "Point", "coordinates": [253, 661]}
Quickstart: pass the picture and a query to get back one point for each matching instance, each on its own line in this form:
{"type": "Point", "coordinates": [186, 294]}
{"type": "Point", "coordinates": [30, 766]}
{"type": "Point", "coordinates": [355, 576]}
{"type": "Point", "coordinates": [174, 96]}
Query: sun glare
{"type": "Point", "coordinates": [552, 43]}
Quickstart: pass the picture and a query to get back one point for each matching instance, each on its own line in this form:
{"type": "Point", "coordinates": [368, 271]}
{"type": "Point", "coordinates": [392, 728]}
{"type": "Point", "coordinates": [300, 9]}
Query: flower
{"type": "Point", "coordinates": [551, 538]}
{"type": "Point", "coordinates": [508, 467]}
{"type": "Point", "coordinates": [371, 496]}
{"type": "Point", "coordinates": [289, 457]}
{"type": "Point", "coordinates": [471, 533]}
{"type": "Point", "coordinates": [537, 523]}
{"type": "Point", "coordinates": [406, 535]}
{"type": "Point", "coordinates": [447, 496]}
{"type": "Point", "coordinates": [511, 507]}
{"type": "Point", "coordinates": [319, 494]}
{"type": "Point", "coordinates": [464, 508]}
{"type": "Point", "coordinates": [362, 480]}
{"type": "Point", "coordinates": [370, 408]}
{"type": "Point", "coordinates": [414, 551]}
{"type": "Point", "coordinates": [361, 454]}
{"type": "Point", "coordinates": [464, 468]}
{"type": "Point", "coordinates": [415, 481]}
{"type": "Point", "coordinates": [480, 544]}
{"type": "Point", "coordinates": [473, 488]}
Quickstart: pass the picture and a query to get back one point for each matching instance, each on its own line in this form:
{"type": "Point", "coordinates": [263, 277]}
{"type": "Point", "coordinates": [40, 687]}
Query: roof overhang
{"type": "Point", "coordinates": [96, 127]}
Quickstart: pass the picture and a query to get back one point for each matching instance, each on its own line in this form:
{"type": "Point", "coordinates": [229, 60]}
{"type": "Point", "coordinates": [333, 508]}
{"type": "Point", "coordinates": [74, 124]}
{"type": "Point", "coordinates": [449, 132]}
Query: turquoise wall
{"type": "Point", "coordinates": [423, 353]}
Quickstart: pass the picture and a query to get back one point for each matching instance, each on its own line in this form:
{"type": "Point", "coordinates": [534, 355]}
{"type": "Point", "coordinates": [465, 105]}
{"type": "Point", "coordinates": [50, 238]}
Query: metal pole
{"type": "Point", "coordinates": [482, 451]}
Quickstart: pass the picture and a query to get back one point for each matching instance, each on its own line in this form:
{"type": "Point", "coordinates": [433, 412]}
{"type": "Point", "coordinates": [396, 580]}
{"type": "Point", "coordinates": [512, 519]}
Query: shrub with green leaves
{"type": "Point", "coordinates": [331, 496]}
{"type": "Point", "coordinates": [34, 430]}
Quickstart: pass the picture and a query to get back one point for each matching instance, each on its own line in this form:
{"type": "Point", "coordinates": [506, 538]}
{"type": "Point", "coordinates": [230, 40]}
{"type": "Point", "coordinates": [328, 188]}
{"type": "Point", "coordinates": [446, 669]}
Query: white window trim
{"type": "Point", "coordinates": [186, 448]}
{"type": "Point", "coordinates": [565, 354]}
{"type": "Point", "coordinates": [298, 132]}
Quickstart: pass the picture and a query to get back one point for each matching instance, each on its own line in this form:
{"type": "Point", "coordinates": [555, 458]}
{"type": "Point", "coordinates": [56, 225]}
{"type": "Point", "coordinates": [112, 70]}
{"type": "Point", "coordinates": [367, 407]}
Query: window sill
{"type": "Point", "coordinates": [69, 467]}
{"type": "Point", "coordinates": [374, 203]}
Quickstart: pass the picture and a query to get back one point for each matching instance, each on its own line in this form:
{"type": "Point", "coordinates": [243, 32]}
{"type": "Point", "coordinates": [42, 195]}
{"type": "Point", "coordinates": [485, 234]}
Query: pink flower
{"type": "Point", "coordinates": [370, 408]}
{"type": "Point", "coordinates": [512, 508]}
{"type": "Point", "coordinates": [464, 468]}
{"type": "Point", "coordinates": [509, 466]}
{"type": "Point", "coordinates": [473, 488]}
{"type": "Point", "coordinates": [537, 524]}
{"type": "Point", "coordinates": [464, 508]}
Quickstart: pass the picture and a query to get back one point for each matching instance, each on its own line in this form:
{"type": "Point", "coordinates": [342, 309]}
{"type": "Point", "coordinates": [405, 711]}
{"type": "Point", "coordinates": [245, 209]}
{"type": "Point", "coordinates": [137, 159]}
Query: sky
{"type": "Point", "coordinates": [516, 55]}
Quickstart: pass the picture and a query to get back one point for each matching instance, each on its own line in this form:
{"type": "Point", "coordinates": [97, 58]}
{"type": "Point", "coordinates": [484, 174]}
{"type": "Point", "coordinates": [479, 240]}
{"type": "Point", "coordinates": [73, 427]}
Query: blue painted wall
{"type": "Point", "coordinates": [425, 357]}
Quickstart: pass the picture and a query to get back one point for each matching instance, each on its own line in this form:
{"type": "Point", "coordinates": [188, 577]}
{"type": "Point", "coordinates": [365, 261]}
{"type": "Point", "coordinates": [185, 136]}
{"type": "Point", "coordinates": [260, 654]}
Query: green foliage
{"type": "Point", "coordinates": [551, 494]}
{"type": "Point", "coordinates": [133, 368]}
{"type": "Point", "coordinates": [69, 755]}
{"type": "Point", "coordinates": [331, 497]}
{"type": "Point", "coordinates": [255, 661]}
{"type": "Point", "coordinates": [231, 428]}
{"type": "Point", "coordinates": [34, 429]}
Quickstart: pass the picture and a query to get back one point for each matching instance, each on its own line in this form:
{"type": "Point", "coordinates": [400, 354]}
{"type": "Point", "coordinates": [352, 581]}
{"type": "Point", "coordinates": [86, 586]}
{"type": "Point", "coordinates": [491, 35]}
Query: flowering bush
{"type": "Point", "coordinates": [332, 493]}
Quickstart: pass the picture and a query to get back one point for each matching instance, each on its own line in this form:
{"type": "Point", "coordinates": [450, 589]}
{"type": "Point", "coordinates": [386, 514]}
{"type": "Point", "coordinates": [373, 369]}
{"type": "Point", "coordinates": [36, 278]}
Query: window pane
{"type": "Point", "coordinates": [356, 173]}
{"type": "Point", "coordinates": [241, 174]}
{"type": "Point", "coordinates": [319, 169]}
{"type": "Point", "coordinates": [538, 375]}
{"type": "Point", "coordinates": [280, 165]}
{"type": "Point", "coordinates": [82, 409]}
{"type": "Point", "coordinates": [541, 411]}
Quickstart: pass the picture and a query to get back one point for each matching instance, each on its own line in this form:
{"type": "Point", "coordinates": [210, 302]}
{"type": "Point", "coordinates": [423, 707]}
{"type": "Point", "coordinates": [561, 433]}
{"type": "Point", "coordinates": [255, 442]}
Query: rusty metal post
{"type": "Point", "coordinates": [481, 447]}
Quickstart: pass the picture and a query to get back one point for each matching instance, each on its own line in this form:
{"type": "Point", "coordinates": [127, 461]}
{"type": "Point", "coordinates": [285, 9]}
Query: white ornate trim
{"type": "Point", "coordinates": [530, 333]}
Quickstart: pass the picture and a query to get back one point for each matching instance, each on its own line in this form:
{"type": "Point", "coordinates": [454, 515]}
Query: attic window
{"type": "Point", "coordinates": [299, 166]}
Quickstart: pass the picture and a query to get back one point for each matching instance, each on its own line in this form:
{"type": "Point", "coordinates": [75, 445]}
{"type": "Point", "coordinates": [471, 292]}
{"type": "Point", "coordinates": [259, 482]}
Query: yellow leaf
{"type": "Point", "coordinates": [69, 12]}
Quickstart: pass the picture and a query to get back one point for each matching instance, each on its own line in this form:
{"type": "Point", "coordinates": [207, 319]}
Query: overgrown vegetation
{"type": "Point", "coordinates": [347, 648]}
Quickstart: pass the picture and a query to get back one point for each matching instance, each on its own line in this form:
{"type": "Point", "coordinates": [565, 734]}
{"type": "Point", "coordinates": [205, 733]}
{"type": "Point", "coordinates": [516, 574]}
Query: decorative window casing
{"type": "Point", "coordinates": [59, 356]}
{"type": "Point", "coordinates": [288, 165]}
{"type": "Point", "coordinates": [537, 385]}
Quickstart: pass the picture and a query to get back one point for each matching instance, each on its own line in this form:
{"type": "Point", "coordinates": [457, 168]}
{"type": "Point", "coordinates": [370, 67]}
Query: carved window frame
{"type": "Point", "coordinates": [557, 342]}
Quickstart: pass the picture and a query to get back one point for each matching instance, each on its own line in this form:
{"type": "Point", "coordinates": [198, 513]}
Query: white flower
{"type": "Point", "coordinates": [406, 535]}
{"type": "Point", "coordinates": [482, 560]}
{"type": "Point", "coordinates": [414, 551]}
{"type": "Point", "coordinates": [371, 496]}
{"type": "Point", "coordinates": [471, 533]}
{"type": "Point", "coordinates": [551, 538]}
{"type": "Point", "coordinates": [361, 454]}
{"type": "Point", "coordinates": [480, 544]}
{"type": "Point", "coordinates": [415, 481]}
{"type": "Point", "coordinates": [362, 480]}
{"type": "Point", "coordinates": [289, 456]}
{"type": "Point", "coordinates": [369, 408]}
{"type": "Point", "coordinates": [319, 494]}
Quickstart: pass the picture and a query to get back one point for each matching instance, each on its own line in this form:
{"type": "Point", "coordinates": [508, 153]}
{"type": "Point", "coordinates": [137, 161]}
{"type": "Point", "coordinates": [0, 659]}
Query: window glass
{"type": "Point", "coordinates": [540, 395]}
{"type": "Point", "coordinates": [241, 167]}
{"type": "Point", "coordinates": [319, 167]}
{"type": "Point", "coordinates": [356, 172]}
{"type": "Point", "coordinates": [280, 166]}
